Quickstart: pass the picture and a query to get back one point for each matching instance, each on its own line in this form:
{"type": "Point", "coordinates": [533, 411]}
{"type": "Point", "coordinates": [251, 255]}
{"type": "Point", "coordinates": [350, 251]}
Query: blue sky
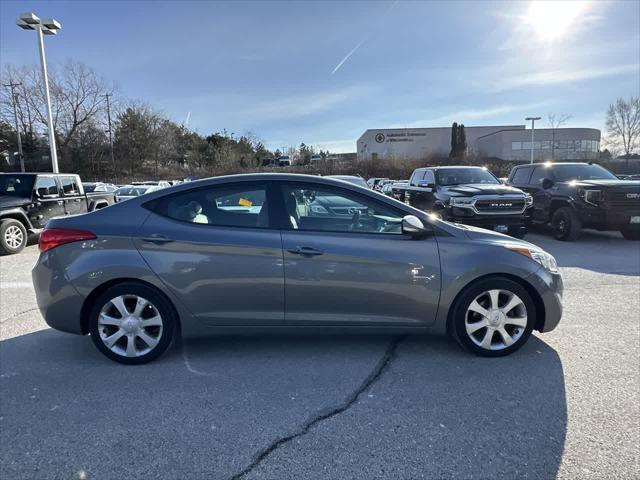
{"type": "Point", "coordinates": [323, 72]}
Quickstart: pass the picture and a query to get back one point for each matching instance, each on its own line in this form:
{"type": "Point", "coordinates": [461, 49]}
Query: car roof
{"type": "Point", "coordinates": [552, 164]}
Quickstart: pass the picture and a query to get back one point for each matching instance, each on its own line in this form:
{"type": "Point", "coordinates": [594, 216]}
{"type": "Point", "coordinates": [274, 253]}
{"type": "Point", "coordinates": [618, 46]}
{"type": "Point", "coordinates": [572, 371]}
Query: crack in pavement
{"type": "Point", "coordinates": [16, 315]}
{"type": "Point", "coordinates": [375, 374]}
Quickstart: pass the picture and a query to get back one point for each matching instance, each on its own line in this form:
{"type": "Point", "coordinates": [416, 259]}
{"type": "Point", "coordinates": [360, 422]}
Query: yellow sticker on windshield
{"type": "Point", "coordinates": [244, 202]}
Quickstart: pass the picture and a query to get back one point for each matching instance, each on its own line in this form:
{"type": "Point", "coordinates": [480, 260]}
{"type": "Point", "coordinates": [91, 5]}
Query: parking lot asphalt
{"type": "Point", "coordinates": [566, 405]}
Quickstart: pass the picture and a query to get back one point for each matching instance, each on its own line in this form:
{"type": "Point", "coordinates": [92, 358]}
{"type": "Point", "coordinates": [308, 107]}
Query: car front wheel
{"type": "Point", "coordinates": [566, 224]}
{"type": "Point", "coordinates": [132, 323]}
{"type": "Point", "coordinates": [493, 317]}
{"type": "Point", "coordinates": [13, 236]}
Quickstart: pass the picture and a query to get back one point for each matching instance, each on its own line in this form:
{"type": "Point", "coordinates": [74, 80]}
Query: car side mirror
{"type": "Point", "coordinates": [412, 225]}
{"type": "Point", "coordinates": [429, 187]}
{"type": "Point", "coordinates": [547, 183]}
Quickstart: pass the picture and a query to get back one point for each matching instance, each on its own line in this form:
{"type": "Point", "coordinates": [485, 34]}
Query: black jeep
{"type": "Point", "coordinates": [29, 200]}
{"type": "Point", "coordinates": [572, 196]}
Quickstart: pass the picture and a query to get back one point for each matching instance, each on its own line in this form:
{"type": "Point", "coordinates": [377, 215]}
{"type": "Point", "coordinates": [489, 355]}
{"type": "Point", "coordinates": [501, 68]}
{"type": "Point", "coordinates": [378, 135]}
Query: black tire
{"type": "Point", "coordinates": [565, 224]}
{"type": "Point", "coordinates": [517, 231]}
{"type": "Point", "coordinates": [629, 234]}
{"type": "Point", "coordinates": [10, 230]}
{"type": "Point", "coordinates": [160, 303]}
{"type": "Point", "coordinates": [460, 312]}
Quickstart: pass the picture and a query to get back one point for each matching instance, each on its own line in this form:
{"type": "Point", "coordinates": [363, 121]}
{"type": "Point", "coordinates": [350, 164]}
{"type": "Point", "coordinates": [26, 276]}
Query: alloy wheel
{"type": "Point", "coordinates": [13, 237]}
{"type": "Point", "coordinates": [496, 319]}
{"type": "Point", "coordinates": [130, 325]}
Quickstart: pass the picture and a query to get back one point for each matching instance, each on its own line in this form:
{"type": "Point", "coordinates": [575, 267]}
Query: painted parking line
{"type": "Point", "coordinates": [15, 285]}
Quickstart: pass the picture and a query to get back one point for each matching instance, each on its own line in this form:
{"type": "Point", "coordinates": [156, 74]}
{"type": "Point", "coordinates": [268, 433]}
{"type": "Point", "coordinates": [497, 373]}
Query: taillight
{"type": "Point", "coordinates": [54, 237]}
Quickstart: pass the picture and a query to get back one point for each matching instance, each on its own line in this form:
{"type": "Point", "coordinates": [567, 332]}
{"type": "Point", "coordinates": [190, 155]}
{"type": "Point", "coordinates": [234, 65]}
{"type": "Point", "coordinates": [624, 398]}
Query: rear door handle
{"type": "Point", "coordinates": [306, 251]}
{"type": "Point", "coordinates": [157, 239]}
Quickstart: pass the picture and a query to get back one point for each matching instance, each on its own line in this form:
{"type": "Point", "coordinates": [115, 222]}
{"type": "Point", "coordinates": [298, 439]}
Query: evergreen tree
{"type": "Point", "coordinates": [462, 140]}
{"type": "Point", "coordinates": [454, 139]}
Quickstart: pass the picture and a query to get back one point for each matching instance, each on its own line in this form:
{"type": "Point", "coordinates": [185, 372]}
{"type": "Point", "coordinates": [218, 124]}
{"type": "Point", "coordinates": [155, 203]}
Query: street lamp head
{"type": "Point", "coordinates": [51, 24]}
{"type": "Point", "coordinates": [29, 18]}
{"type": "Point", "coordinates": [533, 118]}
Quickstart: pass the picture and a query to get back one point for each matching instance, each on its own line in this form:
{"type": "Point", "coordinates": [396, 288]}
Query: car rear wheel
{"type": "Point", "coordinates": [631, 234]}
{"type": "Point", "coordinates": [566, 224]}
{"type": "Point", "coordinates": [132, 323]}
{"type": "Point", "coordinates": [493, 317]}
{"type": "Point", "coordinates": [13, 236]}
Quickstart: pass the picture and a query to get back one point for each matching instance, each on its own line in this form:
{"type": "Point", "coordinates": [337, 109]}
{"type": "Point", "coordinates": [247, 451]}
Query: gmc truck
{"type": "Point", "coordinates": [468, 195]}
{"type": "Point", "coordinates": [571, 196]}
{"type": "Point", "coordinates": [29, 200]}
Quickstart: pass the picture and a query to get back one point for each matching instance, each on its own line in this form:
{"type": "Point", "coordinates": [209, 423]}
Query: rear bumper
{"type": "Point", "coordinates": [59, 302]}
{"type": "Point", "coordinates": [550, 288]}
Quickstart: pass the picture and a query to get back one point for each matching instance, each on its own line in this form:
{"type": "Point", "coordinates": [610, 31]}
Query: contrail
{"type": "Point", "coordinates": [355, 49]}
{"type": "Point", "coordinates": [346, 57]}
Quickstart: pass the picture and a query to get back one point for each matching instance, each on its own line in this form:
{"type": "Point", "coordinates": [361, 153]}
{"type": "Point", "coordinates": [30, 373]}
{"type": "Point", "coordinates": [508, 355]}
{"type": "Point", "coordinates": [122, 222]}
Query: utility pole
{"type": "Point", "coordinates": [14, 99]}
{"type": "Point", "coordinates": [113, 161]}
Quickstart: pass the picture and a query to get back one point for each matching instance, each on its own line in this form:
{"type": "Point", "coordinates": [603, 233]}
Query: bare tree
{"type": "Point", "coordinates": [77, 97]}
{"type": "Point", "coordinates": [556, 121]}
{"type": "Point", "coordinates": [623, 123]}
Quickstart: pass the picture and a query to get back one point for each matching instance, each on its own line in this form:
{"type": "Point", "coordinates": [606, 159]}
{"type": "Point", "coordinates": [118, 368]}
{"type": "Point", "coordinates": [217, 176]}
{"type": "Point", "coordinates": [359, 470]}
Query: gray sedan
{"type": "Point", "coordinates": [250, 253]}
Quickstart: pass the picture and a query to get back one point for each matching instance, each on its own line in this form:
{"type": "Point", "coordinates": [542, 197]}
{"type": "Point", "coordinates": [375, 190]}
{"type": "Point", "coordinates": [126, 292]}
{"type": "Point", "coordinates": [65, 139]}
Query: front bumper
{"type": "Point", "coordinates": [603, 218]}
{"type": "Point", "coordinates": [550, 288]}
{"type": "Point", "coordinates": [490, 221]}
{"type": "Point", "coordinates": [59, 302]}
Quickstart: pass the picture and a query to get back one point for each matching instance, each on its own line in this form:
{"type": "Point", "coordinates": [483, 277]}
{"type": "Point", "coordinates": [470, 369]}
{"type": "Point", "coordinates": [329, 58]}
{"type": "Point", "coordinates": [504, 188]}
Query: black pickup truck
{"type": "Point", "coordinates": [469, 195]}
{"type": "Point", "coordinates": [29, 200]}
{"type": "Point", "coordinates": [570, 196]}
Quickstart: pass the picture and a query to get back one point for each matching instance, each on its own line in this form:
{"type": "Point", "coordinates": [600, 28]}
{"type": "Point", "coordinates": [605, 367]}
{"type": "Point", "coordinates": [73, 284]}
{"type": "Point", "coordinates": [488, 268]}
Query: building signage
{"type": "Point", "coordinates": [398, 136]}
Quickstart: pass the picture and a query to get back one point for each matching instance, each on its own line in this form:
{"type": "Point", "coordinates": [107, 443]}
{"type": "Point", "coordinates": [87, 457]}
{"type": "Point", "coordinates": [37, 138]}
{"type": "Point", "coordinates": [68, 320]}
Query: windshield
{"type": "Point", "coordinates": [566, 173]}
{"type": "Point", "coordinates": [17, 185]}
{"type": "Point", "coordinates": [464, 176]}
{"type": "Point", "coordinates": [89, 187]}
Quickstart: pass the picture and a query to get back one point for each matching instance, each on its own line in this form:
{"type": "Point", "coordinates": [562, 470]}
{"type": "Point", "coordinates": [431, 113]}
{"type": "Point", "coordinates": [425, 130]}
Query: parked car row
{"type": "Point", "coordinates": [566, 196]}
{"type": "Point", "coordinates": [29, 200]}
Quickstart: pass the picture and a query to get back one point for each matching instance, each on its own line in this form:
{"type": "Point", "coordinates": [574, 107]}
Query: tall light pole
{"type": "Point", "coordinates": [29, 21]}
{"type": "Point", "coordinates": [14, 100]}
{"type": "Point", "coordinates": [113, 161]}
{"type": "Point", "coordinates": [533, 129]}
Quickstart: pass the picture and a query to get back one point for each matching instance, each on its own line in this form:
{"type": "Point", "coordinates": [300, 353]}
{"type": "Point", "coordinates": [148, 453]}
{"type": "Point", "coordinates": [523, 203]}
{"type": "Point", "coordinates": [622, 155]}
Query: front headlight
{"type": "Point", "coordinates": [593, 197]}
{"type": "Point", "coordinates": [543, 258]}
{"type": "Point", "coordinates": [460, 202]}
{"type": "Point", "coordinates": [528, 200]}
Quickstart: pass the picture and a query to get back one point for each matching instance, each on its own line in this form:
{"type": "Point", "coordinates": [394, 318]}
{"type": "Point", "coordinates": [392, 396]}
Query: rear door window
{"type": "Point", "coordinates": [235, 205]}
{"type": "Point", "coordinates": [69, 186]}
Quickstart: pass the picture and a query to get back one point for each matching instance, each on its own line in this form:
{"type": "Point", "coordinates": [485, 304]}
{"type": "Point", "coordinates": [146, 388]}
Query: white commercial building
{"type": "Point", "coordinates": [505, 142]}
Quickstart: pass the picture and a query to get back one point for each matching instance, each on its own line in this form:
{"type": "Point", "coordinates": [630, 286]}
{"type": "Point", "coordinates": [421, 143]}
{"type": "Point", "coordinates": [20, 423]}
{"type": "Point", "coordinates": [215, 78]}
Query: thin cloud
{"type": "Point", "coordinates": [361, 42]}
{"type": "Point", "coordinates": [563, 76]}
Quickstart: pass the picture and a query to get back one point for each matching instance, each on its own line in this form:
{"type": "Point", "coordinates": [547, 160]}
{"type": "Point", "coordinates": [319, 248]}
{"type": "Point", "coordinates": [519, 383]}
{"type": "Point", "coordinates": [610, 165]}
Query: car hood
{"type": "Point", "coordinates": [489, 236]}
{"type": "Point", "coordinates": [8, 201]}
{"type": "Point", "coordinates": [479, 189]}
{"type": "Point", "coordinates": [606, 184]}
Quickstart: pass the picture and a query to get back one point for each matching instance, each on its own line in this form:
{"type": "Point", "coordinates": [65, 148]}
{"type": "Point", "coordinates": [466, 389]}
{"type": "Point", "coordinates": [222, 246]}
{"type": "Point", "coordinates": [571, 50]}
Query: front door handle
{"type": "Point", "coordinates": [157, 239]}
{"type": "Point", "coordinates": [306, 251]}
